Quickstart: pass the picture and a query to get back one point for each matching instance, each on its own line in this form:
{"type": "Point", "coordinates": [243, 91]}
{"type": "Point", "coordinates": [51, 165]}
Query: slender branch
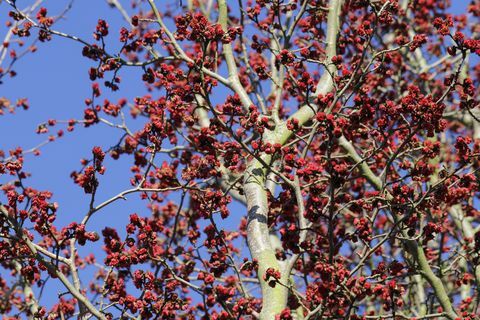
{"type": "Point", "coordinates": [52, 268]}
{"type": "Point", "coordinates": [230, 59]}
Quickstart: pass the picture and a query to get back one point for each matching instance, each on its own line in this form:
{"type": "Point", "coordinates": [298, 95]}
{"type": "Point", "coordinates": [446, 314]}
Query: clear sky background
{"type": "Point", "coordinates": [55, 81]}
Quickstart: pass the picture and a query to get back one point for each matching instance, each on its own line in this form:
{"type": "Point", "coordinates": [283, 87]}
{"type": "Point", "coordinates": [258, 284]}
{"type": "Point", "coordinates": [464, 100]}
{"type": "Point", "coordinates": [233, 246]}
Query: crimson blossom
{"type": "Point", "coordinates": [295, 159]}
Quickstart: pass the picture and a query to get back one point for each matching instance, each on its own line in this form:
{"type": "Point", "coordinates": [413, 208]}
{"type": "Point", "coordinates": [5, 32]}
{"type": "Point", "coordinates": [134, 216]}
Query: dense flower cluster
{"type": "Point", "coordinates": [323, 153]}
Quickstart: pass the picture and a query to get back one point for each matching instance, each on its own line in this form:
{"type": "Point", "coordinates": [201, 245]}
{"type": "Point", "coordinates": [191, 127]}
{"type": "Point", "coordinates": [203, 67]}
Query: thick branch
{"type": "Point", "coordinates": [30, 299]}
{"type": "Point", "coordinates": [326, 82]}
{"type": "Point", "coordinates": [412, 246]}
{"type": "Point", "coordinates": [275, 298]}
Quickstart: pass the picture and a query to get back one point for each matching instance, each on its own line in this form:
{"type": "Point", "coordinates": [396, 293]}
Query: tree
{"type": "Point", "coordinates": [340, 137]}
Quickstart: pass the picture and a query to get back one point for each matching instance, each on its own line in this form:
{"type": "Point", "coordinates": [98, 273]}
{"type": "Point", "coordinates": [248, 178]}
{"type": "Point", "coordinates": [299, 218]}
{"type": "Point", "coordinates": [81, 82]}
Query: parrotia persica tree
{"type": "Point", "coordinates": [342, 137]}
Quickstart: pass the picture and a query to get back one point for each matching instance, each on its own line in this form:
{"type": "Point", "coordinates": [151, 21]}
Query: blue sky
{"type": "Point", "coordinates": [55, 80]}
